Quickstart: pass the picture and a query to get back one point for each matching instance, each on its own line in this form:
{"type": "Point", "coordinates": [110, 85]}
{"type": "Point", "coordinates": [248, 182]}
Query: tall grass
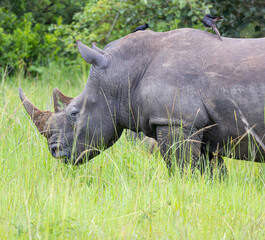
{"type": "Point", "coordinates": [124, 193]}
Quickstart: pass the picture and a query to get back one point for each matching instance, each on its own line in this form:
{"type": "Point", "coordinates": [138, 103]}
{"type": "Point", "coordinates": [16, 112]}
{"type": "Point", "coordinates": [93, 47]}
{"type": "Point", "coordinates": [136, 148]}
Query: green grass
{"type": "Point", "coordinates": [124, 193]}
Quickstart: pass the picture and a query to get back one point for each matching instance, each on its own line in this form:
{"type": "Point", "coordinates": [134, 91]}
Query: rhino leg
{"type": "Point", "coordinates": [217, 162]}
{"type": "Point", "coordinates": [211, 161]}
{"type": "Point", "coordinates": [150, 143]}
{"type": "Point", "coordinates": [179, 146]}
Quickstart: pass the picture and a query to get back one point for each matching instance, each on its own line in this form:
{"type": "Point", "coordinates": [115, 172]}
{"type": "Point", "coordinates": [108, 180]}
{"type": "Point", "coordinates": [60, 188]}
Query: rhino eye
{"type": "Point", "coordinates": [73, 115]}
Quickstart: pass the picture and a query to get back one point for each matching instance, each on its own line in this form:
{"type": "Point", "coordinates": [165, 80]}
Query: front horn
{"type": "Point", "coordinates": [38, 117]}
{"type": "Point", "coordinates": [92, 56]}
{"type": "Point", "coordinates": [59, 97]}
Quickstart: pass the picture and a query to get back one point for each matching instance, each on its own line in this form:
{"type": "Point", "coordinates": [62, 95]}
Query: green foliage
{"type": "Point", "coordinates": [104, 21]}
{"type": "Point", "coordinates": [33, 32]}
{"type": "Point", "coordinates": [26, 37]}
{"type": "Point", "coordinates": [242, 18]}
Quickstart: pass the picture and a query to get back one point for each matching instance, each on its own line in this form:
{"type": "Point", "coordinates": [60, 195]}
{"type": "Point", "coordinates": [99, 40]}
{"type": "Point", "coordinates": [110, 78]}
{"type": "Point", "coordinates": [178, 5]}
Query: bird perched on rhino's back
{"type": "Point", "coordinates": [209, 22]}
{"type": "Point", "coordinates": [141, 28]}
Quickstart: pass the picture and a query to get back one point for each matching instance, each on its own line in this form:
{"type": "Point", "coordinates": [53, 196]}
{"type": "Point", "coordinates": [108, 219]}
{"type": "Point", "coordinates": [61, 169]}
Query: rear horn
{"type": "Point", "coordinates": [59, 97]}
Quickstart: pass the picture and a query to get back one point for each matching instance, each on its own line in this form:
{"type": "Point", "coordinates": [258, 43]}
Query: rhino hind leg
{"type": "Point", "coordinates": [217, 163]}
{"type": "Point", "coordinates": [212, 162]}
{"type": "Point", "coordinates": [179, 146]}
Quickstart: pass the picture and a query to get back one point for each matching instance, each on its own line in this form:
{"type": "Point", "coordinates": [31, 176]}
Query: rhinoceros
{"type": "Point", "coordinates": [175, 87]}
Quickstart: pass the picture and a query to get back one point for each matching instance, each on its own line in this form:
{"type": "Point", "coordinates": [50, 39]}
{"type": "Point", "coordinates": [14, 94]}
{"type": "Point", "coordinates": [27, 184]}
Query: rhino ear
{"type": "Point", "coordinates": [58, 98]}
{"type": "Point", "coordinates": [94, 47]}
{"type": "Point", "coordinates": [92, 56]}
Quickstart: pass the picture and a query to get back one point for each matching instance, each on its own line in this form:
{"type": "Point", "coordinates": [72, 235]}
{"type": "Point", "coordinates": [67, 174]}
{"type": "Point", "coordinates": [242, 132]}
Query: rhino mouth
{"type": "Point", "coordinates": [65, 155]}
{"type": "Point", "coordinates": [71, 156]}
{"type": "Point", "coordinates": [58, 151]}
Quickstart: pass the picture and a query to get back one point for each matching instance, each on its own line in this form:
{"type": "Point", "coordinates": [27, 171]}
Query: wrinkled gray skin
{"type": "Point", "coordinates": [149, 80]}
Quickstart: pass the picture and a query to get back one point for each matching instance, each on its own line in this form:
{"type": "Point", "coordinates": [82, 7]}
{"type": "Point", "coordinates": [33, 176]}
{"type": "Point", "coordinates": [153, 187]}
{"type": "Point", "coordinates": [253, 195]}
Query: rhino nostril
{"type": "Point", "coordinates": [54, 149]}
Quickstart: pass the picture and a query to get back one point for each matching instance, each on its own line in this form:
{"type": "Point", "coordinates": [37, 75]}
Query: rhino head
{"type": "Point", "coordinates": [79, 127]}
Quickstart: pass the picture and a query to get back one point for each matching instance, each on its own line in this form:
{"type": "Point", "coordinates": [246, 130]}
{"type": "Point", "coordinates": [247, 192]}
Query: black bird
{"type": "Point", "coordinates": [209, 22]}
{"type": "Point", "coordinates": [142, 27]}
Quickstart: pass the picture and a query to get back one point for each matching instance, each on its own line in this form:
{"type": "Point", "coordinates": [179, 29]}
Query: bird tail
{"type": "Point", "coordinates": [217, 32]}
{"type": "Point", "coordinates": [218, 18]}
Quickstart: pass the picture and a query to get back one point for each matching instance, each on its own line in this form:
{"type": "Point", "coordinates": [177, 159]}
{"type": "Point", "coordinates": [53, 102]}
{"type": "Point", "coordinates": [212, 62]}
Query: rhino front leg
{"type": "Point", "coordinates": [179, 145]}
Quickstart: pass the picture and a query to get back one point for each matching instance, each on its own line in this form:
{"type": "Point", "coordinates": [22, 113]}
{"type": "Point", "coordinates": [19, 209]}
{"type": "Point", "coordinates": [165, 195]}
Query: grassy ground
{"type": "Point", "coordinates": [124, 193]}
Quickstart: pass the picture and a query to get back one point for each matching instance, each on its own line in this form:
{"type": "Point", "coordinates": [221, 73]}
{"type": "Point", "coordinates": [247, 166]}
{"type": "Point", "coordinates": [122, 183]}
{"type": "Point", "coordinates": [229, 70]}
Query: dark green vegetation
{"type": "Point", "coordinates": [34, 32]}
{"type": "Point", "coordinates": [124, 193]}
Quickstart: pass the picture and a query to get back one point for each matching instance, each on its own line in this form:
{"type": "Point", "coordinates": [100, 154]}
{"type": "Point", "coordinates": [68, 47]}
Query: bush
{"type": "Point", "coordinates": [27, 33]}
{"type": "Point", "coordinates": [35, 32]}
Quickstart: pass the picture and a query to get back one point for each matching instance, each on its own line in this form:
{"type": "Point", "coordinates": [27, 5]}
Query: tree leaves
{"type": "Point", "coordinates": [36, 31]}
